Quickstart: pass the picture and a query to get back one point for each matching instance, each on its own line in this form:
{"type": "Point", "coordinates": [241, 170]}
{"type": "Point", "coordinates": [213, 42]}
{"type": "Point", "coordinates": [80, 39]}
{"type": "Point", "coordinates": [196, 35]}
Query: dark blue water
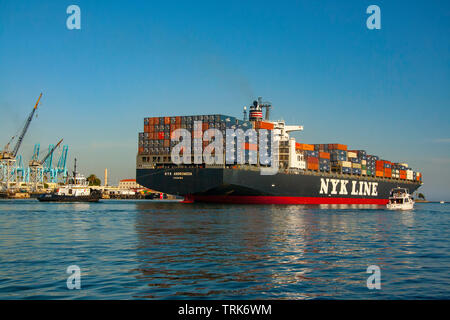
{"type": "Point", "coordinates": [155, 250]}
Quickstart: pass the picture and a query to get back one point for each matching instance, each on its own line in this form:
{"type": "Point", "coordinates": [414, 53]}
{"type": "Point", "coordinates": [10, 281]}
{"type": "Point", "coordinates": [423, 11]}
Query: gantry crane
{"type": "Point", "coordinates": [36, 168]}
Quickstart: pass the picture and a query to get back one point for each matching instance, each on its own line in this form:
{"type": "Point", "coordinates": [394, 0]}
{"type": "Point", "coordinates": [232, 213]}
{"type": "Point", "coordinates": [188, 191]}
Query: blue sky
{"type": "Point", "coordinates": [385, 91]}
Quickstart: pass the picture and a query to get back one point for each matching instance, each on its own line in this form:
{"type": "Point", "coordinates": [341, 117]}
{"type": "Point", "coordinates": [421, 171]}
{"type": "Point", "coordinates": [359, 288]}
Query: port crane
{"type": "Point", "coordinates": [6, 154]}
{"type": "Point", "coordinates": [61, 168]}
{"type": "Point", "coordinates": [8, 174]}
{"type": "Point", "coordinates": [36, 167]}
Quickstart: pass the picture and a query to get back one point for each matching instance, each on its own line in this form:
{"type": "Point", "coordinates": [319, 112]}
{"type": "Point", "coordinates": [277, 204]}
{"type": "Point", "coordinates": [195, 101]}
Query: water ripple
{"type": "Point", "coordinates": [160, 250]}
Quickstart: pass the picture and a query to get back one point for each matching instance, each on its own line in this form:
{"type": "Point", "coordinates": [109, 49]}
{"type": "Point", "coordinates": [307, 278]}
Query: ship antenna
{"type": "Point", "coordinates": [245, 113]}
{"type": "Point", "coordinates": [75, 169]}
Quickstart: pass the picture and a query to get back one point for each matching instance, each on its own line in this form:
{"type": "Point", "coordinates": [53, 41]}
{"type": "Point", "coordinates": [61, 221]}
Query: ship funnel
{"type": "Point", "coordinates": [255, 113]}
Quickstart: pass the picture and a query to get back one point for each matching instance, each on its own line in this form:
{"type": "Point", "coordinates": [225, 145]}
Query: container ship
{"type": "Point", "coordinates": [248, 170]}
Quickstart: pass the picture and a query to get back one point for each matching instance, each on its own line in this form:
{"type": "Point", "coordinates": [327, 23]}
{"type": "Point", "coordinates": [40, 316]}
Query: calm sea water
{"type": "Point", "coordinates": [163, 250]}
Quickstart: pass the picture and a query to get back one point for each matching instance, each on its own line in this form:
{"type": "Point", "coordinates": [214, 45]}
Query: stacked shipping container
{"type": "Point", "coordinates": [156, 140]}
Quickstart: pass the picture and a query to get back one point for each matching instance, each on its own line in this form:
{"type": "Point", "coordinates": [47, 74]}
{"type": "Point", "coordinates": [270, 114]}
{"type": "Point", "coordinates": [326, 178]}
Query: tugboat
{"type": "Point", "coordinates": [400, 199]}
{"type": "Point", "coordinates": [76, 190]}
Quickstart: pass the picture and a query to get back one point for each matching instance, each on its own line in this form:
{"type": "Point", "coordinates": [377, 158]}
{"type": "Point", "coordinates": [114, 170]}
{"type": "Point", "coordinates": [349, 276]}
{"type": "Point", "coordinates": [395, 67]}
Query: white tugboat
{"type": "Point", "coordinates": [76, 190]}
{"type": "Point", "coordinates": [400, 199]}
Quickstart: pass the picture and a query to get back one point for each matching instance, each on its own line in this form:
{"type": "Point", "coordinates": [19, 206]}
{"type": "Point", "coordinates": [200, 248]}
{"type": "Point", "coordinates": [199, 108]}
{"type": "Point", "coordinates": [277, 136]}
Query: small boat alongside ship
{"type": "Point", "coordinates": [400, 199]}
{"type": "Point", "coordinates": [76, 190]}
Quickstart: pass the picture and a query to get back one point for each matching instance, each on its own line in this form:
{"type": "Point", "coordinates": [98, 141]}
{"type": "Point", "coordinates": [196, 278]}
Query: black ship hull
{"type": "Point", "coordinates": [61, 198]}
{"type": "Point", "coordinates": [234, 185]}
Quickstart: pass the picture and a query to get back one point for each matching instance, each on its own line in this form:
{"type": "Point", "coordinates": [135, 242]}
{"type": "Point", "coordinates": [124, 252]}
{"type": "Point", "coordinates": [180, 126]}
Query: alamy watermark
{"type": "Point", "coordinates": [241, 147]}
{"type": "Point", "coordinates": [374, 20]}
{"type": "Point", "coordinates": [74, 280]}
{"type": "Point", "coordinates": [374, 280]}
{"type": "Point", "coordinates": [74, 20]}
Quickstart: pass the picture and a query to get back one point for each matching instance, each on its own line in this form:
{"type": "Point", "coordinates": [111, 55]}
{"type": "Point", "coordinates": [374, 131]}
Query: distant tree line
{"type": "Point", "coordinates": [93, 180]}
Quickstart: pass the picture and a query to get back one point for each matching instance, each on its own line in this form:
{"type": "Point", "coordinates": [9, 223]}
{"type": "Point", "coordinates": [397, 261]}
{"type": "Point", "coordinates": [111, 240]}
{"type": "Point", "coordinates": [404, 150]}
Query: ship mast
{"type": "Point", "coordinates": [75, 170]}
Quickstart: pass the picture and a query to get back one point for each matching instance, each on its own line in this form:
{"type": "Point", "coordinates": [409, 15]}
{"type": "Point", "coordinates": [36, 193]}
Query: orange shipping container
{"type": "Point", "coordinates": [265, 125]}
{"type": "Point", "coordinates": [337, 146]}
{"type": "Point", "coordinates": [324, 155]}
{"type": "Point", "coordinates": [304, 146]}
{"type": "Point", "coordinates": [166, 120]}
{"type": "Point", "coordinates": [178, 120]}
{"type": "Point", "coordinates": [250, 146]}
{"type": "Point", "coordinates": [141, 149]}
{"type": "Point", "coordinates": [313, 166]}
{"type": "Point", "coordinates": [166, 143]}
{"type": "Point", "coordinates": [379, 173]}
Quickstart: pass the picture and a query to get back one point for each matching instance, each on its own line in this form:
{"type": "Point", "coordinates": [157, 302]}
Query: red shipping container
{"type": "Point", "coordinates": [379, 164]}
{"type": "Point", "coordinates": [313, 160]}
{"type": "Point", "coordinates": [387, 172]}
{"type": "Point", "coordinates": [178, 120]}
{"type": "Point", "coordinates": [161, 135]}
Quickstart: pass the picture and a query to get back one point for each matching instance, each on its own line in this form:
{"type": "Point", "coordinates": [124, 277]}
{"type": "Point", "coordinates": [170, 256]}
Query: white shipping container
{"type": "Point", "coordinates": [404, 164]}
{"type": "Point", "coordinates": [352, 155]}
{"type": "Point", "coordinates": [363, 162]}
{"type": "Point", "coordinates": [346, 164]}
{"type": "Point", "coordinates": [356, 165]}
{"type": "Point", "coordinates": [409, 174]}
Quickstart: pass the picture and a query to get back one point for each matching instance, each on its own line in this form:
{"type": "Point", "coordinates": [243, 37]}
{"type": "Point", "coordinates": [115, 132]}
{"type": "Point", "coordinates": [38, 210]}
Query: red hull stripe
{"type": "Point", "coordinates": [282, 200]}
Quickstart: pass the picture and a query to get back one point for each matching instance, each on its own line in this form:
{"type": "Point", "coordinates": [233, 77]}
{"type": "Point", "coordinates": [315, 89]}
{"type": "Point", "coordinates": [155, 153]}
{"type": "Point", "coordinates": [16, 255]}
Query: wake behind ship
{"type": "Point", "coordinates": [307, 173]}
